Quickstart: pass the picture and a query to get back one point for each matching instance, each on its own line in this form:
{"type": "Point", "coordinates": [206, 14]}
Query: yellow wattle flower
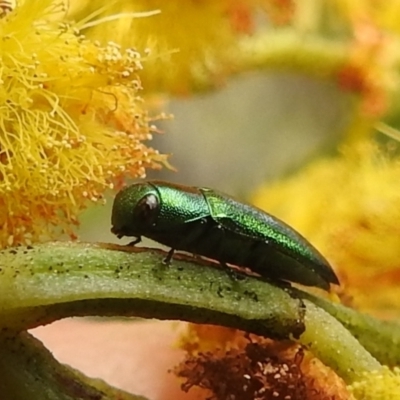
{"type": "Point", "coordinates": [191, 43]}
{"type": "Point", "coordinates": [348, 206]}
{"type": "Point", "coordinates": [384, 14]}
{"type": "Point", "coordinates": [186, 38]}
{"type": "Point", "coordinates": [378, 385]}
{"type": "Point", "coordinates": [71, 121]}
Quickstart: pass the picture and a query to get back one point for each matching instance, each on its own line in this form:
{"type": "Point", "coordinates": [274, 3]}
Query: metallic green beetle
{"type": "Point", "coordinates": [211, 224]}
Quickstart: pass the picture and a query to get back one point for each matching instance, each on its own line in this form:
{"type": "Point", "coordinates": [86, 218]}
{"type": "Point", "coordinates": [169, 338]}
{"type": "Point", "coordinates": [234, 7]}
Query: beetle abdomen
{"type": "Point", "coordinates": [211, 240]}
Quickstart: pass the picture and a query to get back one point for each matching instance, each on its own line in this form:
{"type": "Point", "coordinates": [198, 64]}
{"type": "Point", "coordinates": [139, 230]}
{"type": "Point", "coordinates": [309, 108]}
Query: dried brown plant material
{"type": "Point", "coordinates": [262, 369]}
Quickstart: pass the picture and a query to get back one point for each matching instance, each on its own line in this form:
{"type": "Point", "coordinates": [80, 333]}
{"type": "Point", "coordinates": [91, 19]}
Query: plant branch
{"type": "Point", "coordinates": [29, 371]}
{"type": "Point", "coordinates": [55, 280]}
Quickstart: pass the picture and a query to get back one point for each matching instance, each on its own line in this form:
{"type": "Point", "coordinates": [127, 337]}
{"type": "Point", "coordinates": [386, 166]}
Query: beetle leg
{"type": "Point", "coordinates": [233, 274]}
{"type": "Point", "coordinates": [136, 241]}
{"type": "Point", "coordinates": [167, 260]}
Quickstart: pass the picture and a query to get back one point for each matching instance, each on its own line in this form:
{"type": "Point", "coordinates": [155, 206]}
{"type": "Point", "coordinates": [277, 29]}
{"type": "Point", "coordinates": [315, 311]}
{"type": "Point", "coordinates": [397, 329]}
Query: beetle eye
{"type": "Point", "coordinates": [147, 209]}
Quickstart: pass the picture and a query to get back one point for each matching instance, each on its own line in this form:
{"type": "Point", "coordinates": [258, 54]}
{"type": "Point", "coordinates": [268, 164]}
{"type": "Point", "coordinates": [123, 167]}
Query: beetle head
{"type": "Point", "coordinates": [135, 210]}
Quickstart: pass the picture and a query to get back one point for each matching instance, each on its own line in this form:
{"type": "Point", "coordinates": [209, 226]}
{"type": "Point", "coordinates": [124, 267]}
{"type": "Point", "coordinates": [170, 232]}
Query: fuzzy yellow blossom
{"type": "Point", "coordinates": [71, 121]}
{"type": "Point", "coordinates": [348, 206]}
{"type": "Point", "coordinates": [384, 14]}
{"type": "Point", "coordinates": [378, 385]}
{"type": "Point", "coordinates": [202, 338]}
{"type": "Point", "coordinates": [373, 53]}
{"type": "Point", "coordinates": [191, 37]}
{"type": "Point", "coordinates": [190, 41]}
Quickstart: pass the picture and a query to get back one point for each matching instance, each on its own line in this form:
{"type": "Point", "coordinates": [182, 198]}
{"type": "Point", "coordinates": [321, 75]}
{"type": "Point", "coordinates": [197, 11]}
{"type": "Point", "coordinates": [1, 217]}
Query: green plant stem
{"type": "Point", "coordinates": [380, 338]}
{"type": "Point", "coordinates": [284, 50]}
{"type": "Point", "coordinates": [287, 49]}
{"type": "Point", "coordinates": [55, 280]}
{"type": "Point", "coordinates": [29, 371]}
{"type": "Point", "coordinates": [330, 341]}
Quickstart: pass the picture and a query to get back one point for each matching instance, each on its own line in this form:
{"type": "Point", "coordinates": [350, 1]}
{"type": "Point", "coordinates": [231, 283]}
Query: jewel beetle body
{"type": "Point", "coordinates": [209, 223]}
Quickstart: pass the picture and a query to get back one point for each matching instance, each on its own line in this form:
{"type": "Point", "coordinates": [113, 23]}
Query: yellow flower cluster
{"type": "Point", "coordinates": [378, 385]}
{"type": "Point", "coordinates": [383, 13]}
{"type": "Point", "coordinates": [348, 206]}
{"type": "Point", "coordinates": [189, 43]}
{"type": "Point", "coordinates": [71, 121]}
{"type": "Point", "coordinates": [188, 36]}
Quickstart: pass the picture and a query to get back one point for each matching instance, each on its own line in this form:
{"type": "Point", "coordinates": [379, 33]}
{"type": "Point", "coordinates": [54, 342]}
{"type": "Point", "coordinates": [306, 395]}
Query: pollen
{"type": "Point", "coordinates": [382, 384]}
{"type": "Point", "coordinates": [163, 38]}
{"type": "Point", "coordinates": [67, 125]}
